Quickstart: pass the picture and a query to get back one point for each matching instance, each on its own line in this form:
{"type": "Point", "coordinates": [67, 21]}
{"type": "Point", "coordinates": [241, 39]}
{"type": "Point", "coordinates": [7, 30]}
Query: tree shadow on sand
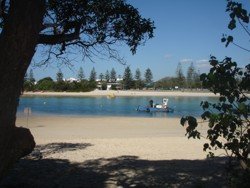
{"type": "Point", "coordinates": [41, 151]}
{"type": "Point", "coordinates": [124, 171]}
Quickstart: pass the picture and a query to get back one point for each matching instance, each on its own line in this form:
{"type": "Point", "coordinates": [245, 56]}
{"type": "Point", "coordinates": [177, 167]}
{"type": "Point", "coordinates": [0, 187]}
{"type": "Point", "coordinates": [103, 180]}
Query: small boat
{"type": "Point", "coordinates": [157, 107]}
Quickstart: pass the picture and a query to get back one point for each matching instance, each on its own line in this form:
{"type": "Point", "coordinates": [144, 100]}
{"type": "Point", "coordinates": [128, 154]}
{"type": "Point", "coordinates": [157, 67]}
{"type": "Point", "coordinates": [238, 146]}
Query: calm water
{"type": "Point", "coordinates": [102, 106]}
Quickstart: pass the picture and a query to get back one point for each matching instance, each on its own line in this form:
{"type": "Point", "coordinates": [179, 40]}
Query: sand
{"type": "Point", "coordinates": [133, 93]}
{"type": "Point", "coordinates": [114, 152]}
{"type": "Point", "coordinates": [108, 137]}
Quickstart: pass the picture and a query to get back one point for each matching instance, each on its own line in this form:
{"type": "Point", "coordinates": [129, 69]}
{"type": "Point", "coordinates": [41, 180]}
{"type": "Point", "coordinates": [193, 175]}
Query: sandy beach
{"type": "Point", "coordinates": [147, 138]}
{"type": "Point", "coordinates": [75, 151]}
{"type": "Point", "coordinates": [132, 93]}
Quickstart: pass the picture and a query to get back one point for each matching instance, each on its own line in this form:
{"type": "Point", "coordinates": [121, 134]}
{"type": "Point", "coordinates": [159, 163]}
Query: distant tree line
{"type": "Point", "coordinates": [127, 81]}
{"type": "Point", "coordinates": [180, 81]}
{"type": "Point", "coordinates": [60, 84]}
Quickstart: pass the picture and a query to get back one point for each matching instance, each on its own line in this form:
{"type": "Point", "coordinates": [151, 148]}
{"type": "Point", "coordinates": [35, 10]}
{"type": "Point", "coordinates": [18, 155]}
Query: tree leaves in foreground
{"type": "Point", "coordinates": [228, 119]}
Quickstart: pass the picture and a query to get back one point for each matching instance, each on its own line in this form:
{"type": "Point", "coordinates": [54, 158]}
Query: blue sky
{"type": "Point", "coordinates": [186, 31]}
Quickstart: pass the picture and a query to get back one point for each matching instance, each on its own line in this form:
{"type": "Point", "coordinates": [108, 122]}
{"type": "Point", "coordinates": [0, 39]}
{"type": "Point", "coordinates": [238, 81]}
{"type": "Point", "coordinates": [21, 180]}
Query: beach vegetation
{"type": "Point", "coordinates": [113, 77]}
{"type": "Point", "coordinates": [192, 77]}
{"type": "Point", "coordinates": [139, 84]}
{"type": "Point", "coordinates": [107, 76]}
{"type": "Point", "coordinates": [228, 118]}
{"type": "Point", "coordinates": [190, 82]}
{"type": "Point", "coordinates": [45, 84]}
{"type": "Point", "coordinates": [92, 76]}
{"type": "Point", "coordinates": [128, 81]}
{"type": "Point", "coordinates": [101, 77]}
{"type": "Point", "coordinates": [148, 77]}
{"type": "Point", "coordinates": [31, 77]}
{"type": "Point", "coordinates": [80, 75]}
{"type": "Point", "coordinates": [180, 78]}
{"type": "Point", "coordinates": [29, 82]}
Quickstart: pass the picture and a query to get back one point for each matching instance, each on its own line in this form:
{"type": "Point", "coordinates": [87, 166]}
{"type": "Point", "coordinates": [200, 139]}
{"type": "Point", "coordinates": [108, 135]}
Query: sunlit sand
{"type": "Point", "coordinates": [147, 138]}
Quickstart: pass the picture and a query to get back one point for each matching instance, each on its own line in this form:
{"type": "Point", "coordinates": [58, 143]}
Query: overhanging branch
{"type": "Point", "coordinates": [57, 39]}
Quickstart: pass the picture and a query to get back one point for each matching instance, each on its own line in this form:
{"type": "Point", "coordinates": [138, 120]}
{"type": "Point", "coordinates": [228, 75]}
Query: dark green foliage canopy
{"type": "Point", "coordinates": [91, 26]}
{"type": "Point", "coordinates": [148, 76]}
{"type": "Point", "coordinates": [45, 84]}
{"type": "Point", "coordinates": [138, 80]}
{"type": "Point", "coordinates": [229, 117]}
{"type": "Point", "coordinates": [92, 76]}
{"type": "Point", "coordinates": [127, 78]}
{"type": "Point", "coordinates": [237, 14]}
{"type": "Point", "coordinates": [113, 75]}
{"type": "Point", "coordinates": [107, 76]}
{"type": "Point", "coordinates": [59, 76]}
{"type": "Point", "coordinates": [81, 75]}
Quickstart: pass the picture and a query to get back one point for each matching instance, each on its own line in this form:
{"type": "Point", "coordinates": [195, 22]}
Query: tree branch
{"type": "Point", "coordinates": [59, 38]}
{"type": "Point", "coordinates": [241, 47]}
{"type": "Point", "coordinates": [243, 27]}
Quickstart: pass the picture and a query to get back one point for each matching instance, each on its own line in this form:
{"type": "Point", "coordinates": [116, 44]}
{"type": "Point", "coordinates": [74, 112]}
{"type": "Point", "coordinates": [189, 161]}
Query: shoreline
{"type": "Point", "coordinates": [127, 93]}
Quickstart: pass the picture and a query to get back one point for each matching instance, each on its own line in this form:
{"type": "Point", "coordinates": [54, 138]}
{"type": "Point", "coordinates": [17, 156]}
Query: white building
{"type": "Point", "coordinates": [72, 80]}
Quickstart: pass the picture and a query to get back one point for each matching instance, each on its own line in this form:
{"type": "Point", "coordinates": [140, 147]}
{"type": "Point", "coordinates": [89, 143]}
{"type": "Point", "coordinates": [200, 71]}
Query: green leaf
{"type": "Point", "coordinates": [183, 121]}
{"type": "Point", "coordinates": [229, 40]}
{"type": "Point", "coordinates": [223, 39]}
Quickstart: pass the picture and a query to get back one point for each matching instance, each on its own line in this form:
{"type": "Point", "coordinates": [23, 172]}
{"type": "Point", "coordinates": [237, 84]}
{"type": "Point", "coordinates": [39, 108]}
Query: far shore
{"type": "Point", "coordinates": [129, 93]}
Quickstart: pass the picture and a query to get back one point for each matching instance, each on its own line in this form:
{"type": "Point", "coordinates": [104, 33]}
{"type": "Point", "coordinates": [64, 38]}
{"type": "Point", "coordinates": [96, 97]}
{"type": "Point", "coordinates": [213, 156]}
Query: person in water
{"type": "Point", "coordinates": [151, 103]}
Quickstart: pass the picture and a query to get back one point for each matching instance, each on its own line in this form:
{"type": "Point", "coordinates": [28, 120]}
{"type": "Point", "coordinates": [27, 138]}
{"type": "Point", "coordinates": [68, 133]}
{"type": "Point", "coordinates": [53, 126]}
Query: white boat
{"type": "Point", "coordinates": [156, 107]}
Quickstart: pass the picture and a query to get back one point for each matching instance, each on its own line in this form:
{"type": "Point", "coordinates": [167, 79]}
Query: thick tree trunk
{"type": "Point", "coordinates": [18, 42]}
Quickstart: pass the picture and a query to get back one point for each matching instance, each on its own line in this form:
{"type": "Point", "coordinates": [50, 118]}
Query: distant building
{"type": "Point", "coordinates": [72, 80]}
{"type": "Point", "coordinates": [116, 84]}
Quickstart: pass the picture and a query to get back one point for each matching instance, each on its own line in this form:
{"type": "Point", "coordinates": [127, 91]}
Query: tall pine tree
{"type": "Point", "coordinates": [92, 77]}
{"type": "Point", "coordinates": [113, 75]}
{"type": "Point", "coordinates": [127, 78]}
{"type": "Point", "coordinates": [80, 75]}
{"type": "Point", "coordinates": [148, 77]}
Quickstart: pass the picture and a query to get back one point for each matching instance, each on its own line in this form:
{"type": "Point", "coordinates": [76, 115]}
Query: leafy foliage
{"type": "Point", "coordinates": [93, 26]}
{"type": "Point", "coordinates": [237, 14]}
{"type": "Point", "coordinates": [228, 119]}
{"type": "Point", "coordinates": [45, 84]}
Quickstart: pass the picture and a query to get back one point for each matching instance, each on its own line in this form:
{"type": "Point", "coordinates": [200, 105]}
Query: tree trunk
{"type": "Point", "coordinates": [18, 42]}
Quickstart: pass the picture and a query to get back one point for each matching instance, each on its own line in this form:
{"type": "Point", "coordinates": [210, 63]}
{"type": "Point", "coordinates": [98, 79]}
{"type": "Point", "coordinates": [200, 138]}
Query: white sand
{"type": "Point", "coordinates": [108, 137]}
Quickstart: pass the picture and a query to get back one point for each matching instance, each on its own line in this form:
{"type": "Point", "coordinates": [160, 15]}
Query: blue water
{"type": "Point", "coordinates": [102, 106]}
